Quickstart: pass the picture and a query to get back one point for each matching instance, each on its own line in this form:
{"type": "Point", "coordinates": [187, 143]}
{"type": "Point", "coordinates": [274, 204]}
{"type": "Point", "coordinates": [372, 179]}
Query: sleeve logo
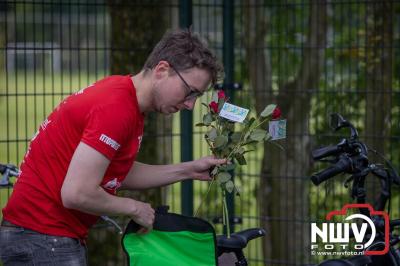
{"type": "Point", "coordinates": [109, 141]}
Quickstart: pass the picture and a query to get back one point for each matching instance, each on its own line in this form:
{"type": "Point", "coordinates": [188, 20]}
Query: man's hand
{"type": "Point", "coordinates": [144, 216]}
{"type": "Point", "coordinates": [200, 169]}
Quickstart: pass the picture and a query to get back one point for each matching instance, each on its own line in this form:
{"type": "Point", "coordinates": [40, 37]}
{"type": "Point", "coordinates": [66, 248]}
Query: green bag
{"type": "Point", "coordinates": [175, 240]}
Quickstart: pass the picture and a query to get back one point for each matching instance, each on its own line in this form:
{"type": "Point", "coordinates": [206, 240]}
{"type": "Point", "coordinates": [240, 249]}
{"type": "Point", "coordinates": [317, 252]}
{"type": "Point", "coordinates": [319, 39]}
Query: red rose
{"type": "Point", "coordinates": [221, 94]}
{"type": "Point", "coordinates": [214, 106]}
{"type": "Point", "coordinates": [276, 113]}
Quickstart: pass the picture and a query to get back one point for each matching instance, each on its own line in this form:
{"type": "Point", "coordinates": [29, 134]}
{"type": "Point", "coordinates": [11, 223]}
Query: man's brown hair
{"type": "Point", "coordinates": [184, 49]}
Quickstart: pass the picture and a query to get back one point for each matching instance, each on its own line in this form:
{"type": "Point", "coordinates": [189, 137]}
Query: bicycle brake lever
{"type": "Point", "coordinates": [331, 161]}
{"type": "Point", "coordinates": [394, 241]}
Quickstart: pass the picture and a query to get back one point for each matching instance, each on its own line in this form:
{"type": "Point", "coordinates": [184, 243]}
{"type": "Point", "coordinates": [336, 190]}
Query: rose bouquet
{"type": "Point", "coordinates": [226, 140]}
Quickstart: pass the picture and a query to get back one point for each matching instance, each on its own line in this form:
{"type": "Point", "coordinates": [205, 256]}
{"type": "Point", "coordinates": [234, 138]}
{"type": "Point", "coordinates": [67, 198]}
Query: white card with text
{"type": "Point", "coordinates": [233, 112]}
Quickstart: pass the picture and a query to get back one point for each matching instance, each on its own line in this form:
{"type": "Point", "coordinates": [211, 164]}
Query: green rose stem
{"type": "Point", "coordinates": [223, 212]}
{"type": "Point", "coordinates": [226, 216]}
{"type": "Point", "coordinates": [262, 122]}
{"type": "Point", "coordinates": [205, 196]}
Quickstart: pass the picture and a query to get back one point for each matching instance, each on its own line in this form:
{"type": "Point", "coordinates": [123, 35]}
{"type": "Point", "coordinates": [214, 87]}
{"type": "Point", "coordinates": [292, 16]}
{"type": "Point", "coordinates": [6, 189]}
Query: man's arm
{"type": "Point", "coordinates": [143, 176]}
{"type": "Point", "coordinates": [81, 189]}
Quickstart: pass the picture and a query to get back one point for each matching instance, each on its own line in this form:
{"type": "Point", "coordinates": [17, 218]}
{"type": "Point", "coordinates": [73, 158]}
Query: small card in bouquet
{"type": "Point", "coordinates": [277, 129]}
{"type": "Point", "coordinates": [233, 112]}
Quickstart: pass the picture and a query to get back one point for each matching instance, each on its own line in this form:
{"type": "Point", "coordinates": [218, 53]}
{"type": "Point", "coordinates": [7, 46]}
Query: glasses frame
{"type": "Point", "coordinates": [193, 94]}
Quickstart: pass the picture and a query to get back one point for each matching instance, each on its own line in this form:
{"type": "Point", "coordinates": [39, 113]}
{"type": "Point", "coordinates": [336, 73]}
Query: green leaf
{"type": "Point", "coordinates": [246, 136]}
{"type": "Point", "coordinates": [207, 119]}
{"type": "Point", "coordinates": [237, 191]}
{"type": "Point", "coordinates": [215, 171]}
{"type": "Point", "coordinates": [267, 137]}
{"type": "Point", "coordinates": [212, 134]}
{"type": "Point", "coordinates": [230, 126]}
{"type": "Point", "coordinates": [249, 123]}
{"type": "Point", "coordinates": [227, 150]}
{"type": "Point", "coordinates": [221, 103]}
{"type": "Point", "coordinates": [223, 177]}
{"type": "Point", "coordinates": [205, 105]}
{"type": "Point", "coordinates": [268, 110]}
{"type": "Point", "coordinates": [258, 134]}
{"type": "Point", "coordinates": [220, 141]}
{"type": "Point", "coordinates": [247, 152]}
{"type": "Point", "coordinates": [200, 125]}
{"type": "Point", "coordinates": [240, 159]}
{"type": "Point", "coordinates": [214, 96]}
{"type": "Point", "coordinates": [235, 137]}
{"type": "Point", "coordinates": [249, 142]}
{"type": "Point", "coordinates": [227, 167]}
{"type": "Point", "coordinates": [240, 150]}
{"type": "Point", "coordinates": [214, 151]}
{"type": "Point", "coordinates": [229, 186]}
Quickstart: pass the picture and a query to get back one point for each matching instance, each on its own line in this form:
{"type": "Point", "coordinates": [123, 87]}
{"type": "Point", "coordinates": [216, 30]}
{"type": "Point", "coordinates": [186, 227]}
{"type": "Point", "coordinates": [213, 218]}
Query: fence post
{"type": "Point", "coordinates": [228, 60]}
{"type": "Point", "coordinates": [186, 121]}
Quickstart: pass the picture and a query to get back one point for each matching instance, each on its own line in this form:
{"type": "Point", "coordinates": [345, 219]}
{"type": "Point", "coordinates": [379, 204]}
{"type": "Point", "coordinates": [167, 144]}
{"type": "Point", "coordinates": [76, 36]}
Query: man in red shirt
{"type": "Point", "coordinates": [86, 148]}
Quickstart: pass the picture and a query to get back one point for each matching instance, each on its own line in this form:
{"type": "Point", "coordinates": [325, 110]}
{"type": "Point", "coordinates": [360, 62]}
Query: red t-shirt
{"type": "Point", "coordinates": [105, 116]}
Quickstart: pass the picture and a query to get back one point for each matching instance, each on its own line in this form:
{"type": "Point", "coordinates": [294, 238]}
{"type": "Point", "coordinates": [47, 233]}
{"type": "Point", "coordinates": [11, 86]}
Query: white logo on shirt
{"type": "Point", "coordinates": [109, 141]}
{"type": "Point", "coordinates": [34, 136]}
{"type": "Point", "coordinates": [45, 124]}
{"type": "Point", "coordinates": [112, 184]}
{"type": "Point", "coordinates": [82, 90]}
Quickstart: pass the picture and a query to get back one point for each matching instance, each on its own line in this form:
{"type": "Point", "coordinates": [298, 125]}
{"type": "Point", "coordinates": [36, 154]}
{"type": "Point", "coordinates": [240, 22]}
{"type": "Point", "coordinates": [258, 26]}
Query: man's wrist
{"type": "Point", "coordinates": [133, 208]}
{"type": "Point", "coordinates": [185, 170]}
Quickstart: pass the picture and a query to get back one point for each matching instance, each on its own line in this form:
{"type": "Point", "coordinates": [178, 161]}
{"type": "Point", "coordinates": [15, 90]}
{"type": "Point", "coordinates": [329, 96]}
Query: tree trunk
{"type": "Point", "coordinates": [379, 56]}
{"type": "Point", "coordinates": [136, 27]}
{"type": "Point", "coordinates": [283, 191]}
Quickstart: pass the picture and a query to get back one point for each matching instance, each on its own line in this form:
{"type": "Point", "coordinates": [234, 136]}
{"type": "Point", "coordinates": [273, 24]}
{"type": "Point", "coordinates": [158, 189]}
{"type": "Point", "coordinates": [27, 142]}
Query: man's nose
{"type": "Point", "coordinates": [189, 104]}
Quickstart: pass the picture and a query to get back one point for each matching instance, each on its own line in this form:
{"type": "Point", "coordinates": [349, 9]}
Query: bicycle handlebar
{"type": "Point", "coordinates": [351, 156]}
{"type": "Point", "coordinates": [344, 164]}
{"type": "Point", "coordinates": [11, 170]}
{"type": "Point", "coordinates": [327, 151]}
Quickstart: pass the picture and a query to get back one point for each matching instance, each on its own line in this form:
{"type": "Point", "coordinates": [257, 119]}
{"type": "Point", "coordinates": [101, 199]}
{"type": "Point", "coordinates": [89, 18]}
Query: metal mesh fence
{"type": "Point", "coordinates": [310, 57]}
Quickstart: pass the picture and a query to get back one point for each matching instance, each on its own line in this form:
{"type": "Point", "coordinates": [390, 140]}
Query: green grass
{"type": "Point", "coordinates": [26, 99]}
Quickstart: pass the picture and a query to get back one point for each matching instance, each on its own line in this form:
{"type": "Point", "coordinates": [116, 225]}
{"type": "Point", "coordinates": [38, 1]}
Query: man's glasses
{"type": "Point", "coordinates": [192, 93]}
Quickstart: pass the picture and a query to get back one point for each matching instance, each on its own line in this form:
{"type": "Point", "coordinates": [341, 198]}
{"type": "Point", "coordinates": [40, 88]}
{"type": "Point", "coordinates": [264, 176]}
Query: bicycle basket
{"type": "Point", "coordinates": [175, 240]}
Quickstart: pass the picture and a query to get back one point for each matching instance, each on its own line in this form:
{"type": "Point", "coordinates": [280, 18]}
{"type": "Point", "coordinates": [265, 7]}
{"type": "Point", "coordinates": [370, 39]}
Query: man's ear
{"type": "Point", "coordinates": [161, 69]}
